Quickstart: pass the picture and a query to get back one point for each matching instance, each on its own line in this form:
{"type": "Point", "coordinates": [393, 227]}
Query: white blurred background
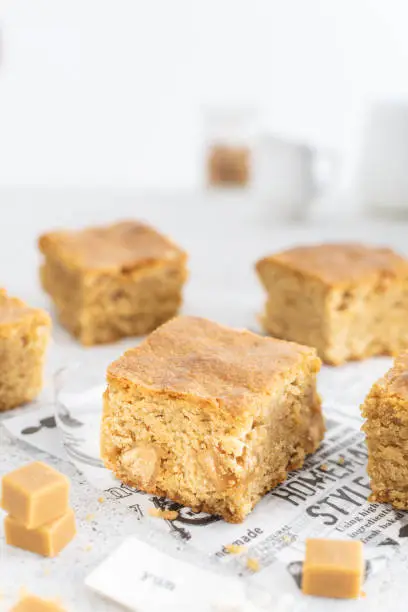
{"type": "Point", "coordinates": [108, 93]}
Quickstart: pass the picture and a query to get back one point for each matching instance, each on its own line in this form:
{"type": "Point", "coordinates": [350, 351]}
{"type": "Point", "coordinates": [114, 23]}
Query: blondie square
{"type": "Point", "coordinates": [114, 281]}
{"type": "Point", "coordinates": [386, 427]}
{"type": "Point", "coordinates": [209, 416]}
{"type": "Point", "coordinates": [349, 301]}
{"type": "Point", "coordinates": [24, 335]}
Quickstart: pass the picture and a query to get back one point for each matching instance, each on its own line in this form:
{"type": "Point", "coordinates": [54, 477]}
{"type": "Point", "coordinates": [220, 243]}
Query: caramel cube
{"type": "Point", "coordinates": [47, 540]}
{"type": "Point", "coordinates": [333, 568]}
{"type": "Point", "coordinates": [31, 603]}
{"type": "Point", "coordinates": [35, 494]}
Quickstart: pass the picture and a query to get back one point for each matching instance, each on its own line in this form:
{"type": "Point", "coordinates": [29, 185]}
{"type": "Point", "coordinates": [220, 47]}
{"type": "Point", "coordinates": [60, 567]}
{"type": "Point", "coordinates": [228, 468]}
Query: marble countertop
{"type": "Point", "coordinates": [224, 239]}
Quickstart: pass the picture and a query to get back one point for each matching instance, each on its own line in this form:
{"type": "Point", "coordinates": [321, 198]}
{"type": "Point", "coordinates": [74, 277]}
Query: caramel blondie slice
{"type": "Point", "coordinates": [349, 301]}
{"type": "Point", "coordinates": [115, 281]}
{"type": "Point", "coordinates": [209, 416]}
{"type": "Point", "coordinates": [386, 427]}
{"type": "Point", "coordinates": [24, 334]}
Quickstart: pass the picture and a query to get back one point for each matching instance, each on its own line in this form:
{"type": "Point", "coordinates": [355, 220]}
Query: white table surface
{"type": "Point", "coordinates": [224, 237]}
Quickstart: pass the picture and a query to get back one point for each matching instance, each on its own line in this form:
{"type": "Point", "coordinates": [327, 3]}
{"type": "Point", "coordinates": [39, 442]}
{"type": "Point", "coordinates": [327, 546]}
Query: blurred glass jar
{"type": "Point", "coordinates": [230, 135]}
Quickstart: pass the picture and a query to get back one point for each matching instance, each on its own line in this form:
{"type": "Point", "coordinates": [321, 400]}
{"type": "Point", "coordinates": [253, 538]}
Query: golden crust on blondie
{"type": "Point", "coordinates": [13, 310]}
{"type": "Point", "coordinates": [337, 264]}
{"type": "Point", "coordinates": [205, 361]}
{"type": "Point", "coordinates": [396, 379]}
{"type": "Point", "coordinates": [126, 245]}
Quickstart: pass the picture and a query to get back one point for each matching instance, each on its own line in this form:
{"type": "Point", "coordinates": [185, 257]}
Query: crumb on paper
{"type": "Point", "coordinates": [341, 460]}
{"type": "Point", "coordinates": [324, 467]}
{"type": "Point", "coordinates": [235, 549]}
{"type": "Point", "coordinates": [286, 538]}
{"type": "Point", "coordinates": [101, 500]}
{"type": "Point", "coordinates": [253, 564]}
{"type": "Point", "coordinates": [90, 517]}
{"type": "Point", "coordinates": [88, 548]}
{"type": "Point", "coordinates": [167, 515]}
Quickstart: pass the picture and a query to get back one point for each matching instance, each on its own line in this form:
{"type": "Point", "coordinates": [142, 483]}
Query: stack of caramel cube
{"type": "Point", "coordinates": [36, 498]}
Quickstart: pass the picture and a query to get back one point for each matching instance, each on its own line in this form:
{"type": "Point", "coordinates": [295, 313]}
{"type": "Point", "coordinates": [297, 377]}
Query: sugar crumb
{"type": "Point", "coordinates": [235, 549]}
{"type": "Point", "coordinates": [90, 517]}
{"type": "Point", "coordinates": [324, 467]}
{"type": "Point", "coordinates": [286, 538]}
{"type": "Point", "coordinates": [167, 515]}
{"type": "Point", "coordinates": [88, 548]}
{"type": "Point", "coordinates": [253, 564]}
{"type": "Point", "coordinates": [341, 460]}
{"type": "Point", "coordinates": [101, 500]}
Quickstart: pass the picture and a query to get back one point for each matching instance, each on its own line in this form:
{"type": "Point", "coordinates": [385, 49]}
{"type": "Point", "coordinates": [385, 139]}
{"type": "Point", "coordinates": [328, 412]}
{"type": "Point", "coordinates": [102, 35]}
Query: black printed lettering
{"type": "Point", "coordinates": [316, 479]}
{"type": "Point", "coordinates": [342, 494]}
{"type": "Point", "coordinates": [302, 488]}
{"type": "Point", "coordinates": [338, 471]}
{"type": "Point", "coordinates": [358, 454]}
{"type": "Point", "coordinates": [239, 542]}
{"type": "Point", "coordinates": [362, 482]}
{"type": "Point", "coordinates": [315, 512]}
{"type": "Point", "coordinates": [290, 496]}
{"type": "Point", "coordinates": [327, 500]}
{"type": "Point", "coordinates": [347, 488]}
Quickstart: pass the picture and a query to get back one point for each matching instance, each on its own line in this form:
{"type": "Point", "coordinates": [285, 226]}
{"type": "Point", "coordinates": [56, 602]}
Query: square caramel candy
{"type": "Point", "coordinates": [386, 428]}
{"type": "Point", "coordinates": [47, 540]}
{"type": "Point", "coordinates": [349, 301]}
{"type": "Point", "coordinates": [32, 603]}
{"type": "Point", "coordinates": [210, 417]}
{"type": "Point", "coordinates": [24, 335]}
{"type": "Point", "coordinates": [333, 568]}
{"type": "Point", "coordinates": [111, 282]}
{"type": "Point", "coordinates": [35, 494]}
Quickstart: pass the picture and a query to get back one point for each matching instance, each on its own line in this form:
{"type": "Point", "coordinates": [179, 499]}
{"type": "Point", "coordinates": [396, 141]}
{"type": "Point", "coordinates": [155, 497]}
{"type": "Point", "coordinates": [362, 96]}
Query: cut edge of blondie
{"type": "Point", "coordinates": [343, 321]}
{"type": "Point", "coordinates": [24, 336]}
{"type": "Point", "coordinates": [386, 412]}
{"type": "Point", "coordinates": [160, 445]}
